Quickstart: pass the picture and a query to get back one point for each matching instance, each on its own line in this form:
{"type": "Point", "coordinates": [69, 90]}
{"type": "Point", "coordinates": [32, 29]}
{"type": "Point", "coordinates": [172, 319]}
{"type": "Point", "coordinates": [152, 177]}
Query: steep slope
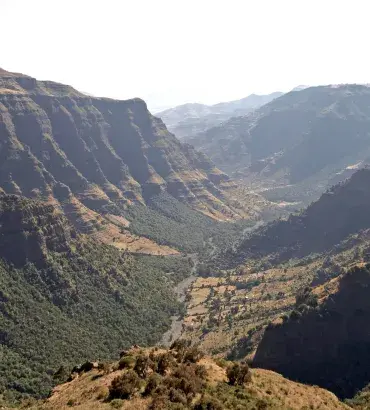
{"type": "Point", "coordinates": [65, 298]}
{"type": "Point", "coordinates": [178, 379]}
{"type": "Point", "coordinates": [338, 213]}
{"type": "Point", "coordinates": [188, 120]}
{"type": "Point", "coordinates": [305, 139]}
{"type": "Point", "coordinates": [329, 345]}
{"type": "Point", "coordinates": [60, 145]}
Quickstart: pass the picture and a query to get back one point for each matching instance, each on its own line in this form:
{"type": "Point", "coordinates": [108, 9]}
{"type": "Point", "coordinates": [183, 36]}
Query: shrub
{"type": "Point", "coordinates": [153, 382]}
{"type": "Point", "coordinates": [208, 403]}
{"type": "Point", "coordinates": [238, 374]}
{"type": "Point", "coordinates": [102, 392]}
{"type": "Point", "coordinates": [142, 365]}
{"type": "Point", "coordinates": [165, 362]}
{"type": "Point", "coordinates": [125, 385]}
{"type": "Point", "coordinates": [127, 362]}
{"type": "Point", "coordinates": [193, 355]}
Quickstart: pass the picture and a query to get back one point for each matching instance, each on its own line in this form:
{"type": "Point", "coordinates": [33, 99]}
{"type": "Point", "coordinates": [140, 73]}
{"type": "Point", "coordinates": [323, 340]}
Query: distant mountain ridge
{"type": "Point", "coordinates": [189, 119]}
{"type": "Point", "coordinates": [305, 140]}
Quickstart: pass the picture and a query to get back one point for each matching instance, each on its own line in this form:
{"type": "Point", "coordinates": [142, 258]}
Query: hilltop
{"type": "Point", "coordinates": [181, 378]}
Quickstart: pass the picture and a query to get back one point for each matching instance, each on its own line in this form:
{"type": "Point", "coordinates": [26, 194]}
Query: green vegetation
{"type": "Point", "coordinates": [86, 304]}
{"type": "Point", "coordinates": [170, 222]}
{"type": "Point", "coordinates": [176, 380]}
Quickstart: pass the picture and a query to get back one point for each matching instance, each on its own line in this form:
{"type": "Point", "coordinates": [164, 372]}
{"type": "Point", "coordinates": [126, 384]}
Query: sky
{"type": "Point", "coordinates": [171, 52]}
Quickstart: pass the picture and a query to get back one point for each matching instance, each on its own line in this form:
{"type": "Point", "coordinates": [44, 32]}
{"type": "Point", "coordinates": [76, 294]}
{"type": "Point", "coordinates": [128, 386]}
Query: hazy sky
{"type": "Point", "coordinates": [174, 51]}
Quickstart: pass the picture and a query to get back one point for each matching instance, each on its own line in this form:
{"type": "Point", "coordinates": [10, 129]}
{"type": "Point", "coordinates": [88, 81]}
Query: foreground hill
{"type": "Point", "coordinates": [305, 141]}
{"type": "Point", "coordinates": [188, 120]}
{"type": "Point", "coordinates": [65, 297]}
{"type": "Point", "coordinates": [98, 157]}
{"type": "Point", "coordinates": [182, 379]}
{"type": "Point", "coordinates": [327, 345]}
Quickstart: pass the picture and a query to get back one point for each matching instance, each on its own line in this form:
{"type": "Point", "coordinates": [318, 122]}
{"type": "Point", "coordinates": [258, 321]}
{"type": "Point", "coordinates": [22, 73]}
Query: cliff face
{"type": "Point", "coordinates": [329, 345]}
{"type": "Point", "coordinates": [29, 230]}
{"type": "Point", "coordinates": [56, 143]}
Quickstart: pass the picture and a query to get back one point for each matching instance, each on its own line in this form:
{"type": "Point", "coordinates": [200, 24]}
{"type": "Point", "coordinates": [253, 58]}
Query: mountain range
{"type": "Point", "coordinates": [296, 146]}
{"type": "Point", "coordinates": [191, 119]}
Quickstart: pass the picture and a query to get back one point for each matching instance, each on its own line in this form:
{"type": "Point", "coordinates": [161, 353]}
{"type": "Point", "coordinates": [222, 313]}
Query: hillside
{"type": "Point", "coordinates": [97, 157]}
{"type": "Point", "coordinates": [304, 141]}
{"type": "Point", "coordinates": [242, 289]}
{"type": "Point", "coordinates": [182, 379]}
{"type": "Point", "coordinates": [188, 120]}
{"type": "Point", "coordinates": [341, 211]}
{"type": "Point", "coordinates": [65, 297]}
{"type": "Point", "coordinates": [326, 345]}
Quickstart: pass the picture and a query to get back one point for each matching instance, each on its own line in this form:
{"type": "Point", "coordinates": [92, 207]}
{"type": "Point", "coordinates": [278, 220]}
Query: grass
{"type": "Point", "coordinates": [266, 390]}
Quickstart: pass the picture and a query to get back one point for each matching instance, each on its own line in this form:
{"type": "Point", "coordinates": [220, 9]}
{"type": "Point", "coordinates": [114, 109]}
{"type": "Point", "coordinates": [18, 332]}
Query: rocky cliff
{"type": "Point", "coordinates": [328, 345]}
{"type": "Point", "coordinates": [57, 143]}
{"type": "Point", "coordinates": [30, 229]}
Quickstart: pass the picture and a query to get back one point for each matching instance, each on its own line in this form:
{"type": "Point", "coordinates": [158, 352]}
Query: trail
{"type": "Point", "coordinates": [174, 332]}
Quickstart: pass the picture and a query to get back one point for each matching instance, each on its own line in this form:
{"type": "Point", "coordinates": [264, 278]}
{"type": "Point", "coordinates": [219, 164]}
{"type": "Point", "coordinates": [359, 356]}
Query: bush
{"type": "Point", "coordinates": [165, 362]}
{"type": "Point", "coordinates": [193, 355]}
{"type": "Point", "coordinates": [142, 365]}
{"type": "Point", "coordinates": [153, 382]}
{"type": "Point", "coordinates": [238, 374]}
{"type": "Point", "coordinates": [208, 403]}
{"type": "Point", "coordinates": [125, 386]}
{"type": "Point", "coordinates": [127, 362]}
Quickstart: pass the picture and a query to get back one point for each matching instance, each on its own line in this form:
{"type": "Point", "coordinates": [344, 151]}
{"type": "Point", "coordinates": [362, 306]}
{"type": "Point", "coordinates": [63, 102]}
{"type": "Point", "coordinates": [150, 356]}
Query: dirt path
{"type": "Point", "coordinates": [174, 332]}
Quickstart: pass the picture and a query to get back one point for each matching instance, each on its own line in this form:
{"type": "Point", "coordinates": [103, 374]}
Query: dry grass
{"type": "Point", "coordinates": [291, 395]}
{"type": "Point", "coordinates": [90, 390]}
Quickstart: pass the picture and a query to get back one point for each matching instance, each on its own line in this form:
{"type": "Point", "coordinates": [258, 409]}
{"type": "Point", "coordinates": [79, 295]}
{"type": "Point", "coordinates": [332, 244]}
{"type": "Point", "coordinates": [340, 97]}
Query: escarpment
{"type": "Point", "coordinates": [56, 142]}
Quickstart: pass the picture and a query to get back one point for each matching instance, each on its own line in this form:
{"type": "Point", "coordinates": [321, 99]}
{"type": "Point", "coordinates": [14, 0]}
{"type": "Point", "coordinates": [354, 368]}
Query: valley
{"type": "Point", "coordinates": [211, 262]}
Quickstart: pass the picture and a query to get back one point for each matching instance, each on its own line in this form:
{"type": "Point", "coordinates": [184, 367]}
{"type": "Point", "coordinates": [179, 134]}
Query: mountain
{"type": "Point", "coordinates": [340, 212]}
{"type": "Point", "coordinates": [65, 297]}
{"type": "Point", "coordinates": [298, 145]}
{"type": "Point", "coordinates": [327, 345]}
{"type": "Point", "coordinates": [190, 119]}
{"type": "Point", "coordinates": [102, 160]}
{"type": "Point", "coordinates": [182, 378]}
